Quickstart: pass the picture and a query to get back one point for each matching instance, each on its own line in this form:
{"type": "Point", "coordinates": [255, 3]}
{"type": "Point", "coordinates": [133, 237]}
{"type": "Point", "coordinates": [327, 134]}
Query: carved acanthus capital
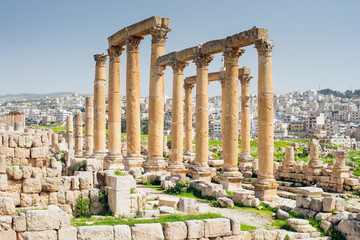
{"type": "Point", "coordinates": [231, 55]}
{"type": "Point", "coordinates": [264, 47]}
{"type": "Point", "coordinates": [245, 79]}
{"type": "Point", "coordinates": [178, 66]}
{"type": "Point", "coordinates": [115, 52]}
{"type": "Point", "coordinates": [188, 86]}
{"type": "Point", "coordinates": [133, 42]}
{"type": "Point", "coordinates": [158, 35]}
{"type": "Point", "coordinates": [202, 60]}
{"type": "Point", "coordinates": [100, 59]}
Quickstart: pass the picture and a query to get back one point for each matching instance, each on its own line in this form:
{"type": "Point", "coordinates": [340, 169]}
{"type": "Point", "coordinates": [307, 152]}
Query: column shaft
{"type": "Point", "coordinates": [78, 134]}
{"type": "Point", "coordinates": [70, 132]}
{"type": "Point", "coordinates": [100, 106]}
{"type": "Point", "coordinates": [89, 126]}
{"type": "Point", "coordinates": [188, 120]}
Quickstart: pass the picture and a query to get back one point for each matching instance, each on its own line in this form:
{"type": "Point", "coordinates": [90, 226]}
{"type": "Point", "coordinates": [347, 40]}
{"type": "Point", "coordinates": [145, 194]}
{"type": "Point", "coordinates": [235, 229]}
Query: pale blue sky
{"type": "Point", "coordinates": [48, 46]}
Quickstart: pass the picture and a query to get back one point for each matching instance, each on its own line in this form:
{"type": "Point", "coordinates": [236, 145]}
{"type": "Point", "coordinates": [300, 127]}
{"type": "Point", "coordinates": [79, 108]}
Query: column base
{"type": "Point", "coordinates": [113, 161]}
{"type": "Point", "coordinates": [266, 189]}
{"type": "Point", "coordinates": [100, 155]}
{"type": "Point", "coordinates": [79, 154]}
{"type": "Point", "coordinates": [231, 181]}
{"type": "Point", "coordinates": [201, 172]}
{"type": "Point", "coordinates": [189, 157]}
{"type": "Point", "coordinates": [245, 161]}
{"type": "Point", "coordinates": [177, 168]}
{"type": "Point", "coordinates": [133, 164]}
{"type": "Point", "coordinates": [155, 164]}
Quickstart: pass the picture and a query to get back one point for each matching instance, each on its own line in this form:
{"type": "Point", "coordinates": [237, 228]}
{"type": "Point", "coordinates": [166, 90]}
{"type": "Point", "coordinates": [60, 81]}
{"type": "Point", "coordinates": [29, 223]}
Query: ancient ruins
{"type": "Point", "coordinates": [46, 176]}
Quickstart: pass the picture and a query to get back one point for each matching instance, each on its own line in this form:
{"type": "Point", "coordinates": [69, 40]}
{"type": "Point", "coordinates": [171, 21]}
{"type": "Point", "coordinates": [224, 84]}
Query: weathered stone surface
{"type": "Point", "coordinates": [240, 195]}
{"type": "Point", "coordinates": [19, 222]}
{"type": "Point", "coordinates": [7, 206]}
{"type": "Point", "coordinates": [325, 225]}
{"type": "Point", "coordinates": [217, 227]}
{"type": "Point", "coordinates": [67, 234]}
{"type": "Point", "coordinates": [338, 217]}
{"type": "Point", "coordinates": [309, 192]}
{"type": "Point", "coordinates": [305, 203]}
{"type": "Point", "coordinates": [152, 231]}
{"type": "Point", "coordinates": [316, 204]}
{"type": "Point", "coordinates": [225, 202]}
{"type": "Point", "coordinates": [195, 228]}
{"type": "Point", "coordinates": [3, 182]}
{"type": "Point", "coordinates": [5, 223]}
{"type": "Point", "coordinates": [188, 205]}
{"type": "Point", "coordinates": [51, 184]}
{"type": "Point", "coordinates": [39, 235]}
{"type": "Point", "coordinates": [93, 165]}
{"type": "Point", "coordinates": [235, 225]}
{"type": "Point", "coordinates": [8, 235]}
{"type": "Point", "coordinates": [32, 185]}
{"type": "Point", "coordinates": [149, 213]}
{"type": "Point", "coordinates": [96, 232]}
{"type": "Point", "coordinates": [170, 202]}
{"type": "Point", "coordinates": [122, 232]}
{"type": "Point", "coordinates": [39, 152]}
{"type": "Point", "coordinates": [41, 220]}
{"type": "Point", "coordinates": [282, 214]}
{"type": "Point", "coordinates": [350, 227]}
{"type": "Point", "coordinates": [175, 230]}
{"type": "Point", "coordinates": [21, 153]}
{"type": "Point", "coordinates": [328, 204]}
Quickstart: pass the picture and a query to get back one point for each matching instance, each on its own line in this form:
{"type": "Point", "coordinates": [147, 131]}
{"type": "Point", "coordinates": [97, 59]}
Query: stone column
{"type": "Point", "coordinates": [89, 126]}
{"type": "Point", "coordinates": [55, 139]}
{"type": "Point", "coordinates": [245, 159]}
{"type": "Point", "coordinates": [78, 134]}
{"type": "Point", "coordinates": [114, 157]}
{"type": "Point", "coordinates": [289, 163]}
{"type": "Point", "coordinates": [176, 166]}
{"type": "Point", "coordinates": [188, 121]}
{"type": "Point", "coordinates": [70, 132]}
{"type": "Point", "coordinates": [155, 162]}
{"type": "Point", "coordinates": [201, 169]}
{"type": "Point", "coordinates": [314, 164]}
{"type": "Point", "coordinates": [100, 107]}
{"type": "Point", "coordinates": [133, 160]}
{"type": "Point", "coordinates": [339, 172]}
{"type": "Point", "coordinates": [265, 185]}
{"type": "Point", "coordinates": [231, 177]}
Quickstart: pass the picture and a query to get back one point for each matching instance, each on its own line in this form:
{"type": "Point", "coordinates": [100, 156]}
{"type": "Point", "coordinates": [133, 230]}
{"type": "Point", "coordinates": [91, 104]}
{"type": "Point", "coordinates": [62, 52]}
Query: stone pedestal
{"type": "Point", "coordinates": [70, 132]}
{"type": "Point", "coordinates": [289, 162]}
{"type": "Point", "coordinates": [100, 107]}
{"type": "Point", "coordinates": [78, 134]}
{"type": "Point", "coordinates": [314, 164]}
{"type": "Point", "coordinates": [133, 159]}
{"type": "Point", "coordinates": [176, 165]}
{"type": "Point", "coordinates": [245, 159]}
{"type": "Point", "coordinates": [231, 181]}
{"type": "Point", "coordinates": [119, 195]}
{"type": "Point", "coordinates": [340, 170]}
{"type": "Point", "coordinates": [265, 185]}
{"type": "Point", "coordinates": [188, 122]}
{"type": "Point", "coordinates": [114, 157]}
{"type": "Point", "coordinates": [155, 161]}
{"type": "Point", "coordinates": [89, 126]}
{"type": "Point", "coordinates": [201, 169]}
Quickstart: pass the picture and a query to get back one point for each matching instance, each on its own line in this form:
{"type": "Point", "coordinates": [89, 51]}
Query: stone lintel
{"type": "Point", "coordinates": [217, 76]}
{"type": "Point", "coordinates": [242, 39]}
{"type": "Point", "coordinates": [139, 29]}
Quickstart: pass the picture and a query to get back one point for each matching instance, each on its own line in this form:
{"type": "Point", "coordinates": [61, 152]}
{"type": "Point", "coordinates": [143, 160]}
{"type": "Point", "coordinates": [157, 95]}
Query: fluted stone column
{"type": "Point", "coordinates": [176, 165]}
{"type": "Point", "coordinates": [245, 159]}
{"type": "Point", "coordinates": [70, 132]}
{"type": "Point", "coordinates": [265, 185]}
{"type": "Point", "coordinates": [201, 169]}
{"type": "Point", "coordinates": [114, 157]}
{"type": "Point", "coordinates": [89, 126]}
{"type": "Point", "coordinates": [133, 160]}
{"type": "Point", "coordinates": [78, 134]}
{"type": "Point", "coordinates": [231, 177]}
{"type": "Point", "coordinates": [188, 121]}
{"type": "Point", "coordinates": [155, 162]}
{"type": "Point", "coordinates": [100, 107]}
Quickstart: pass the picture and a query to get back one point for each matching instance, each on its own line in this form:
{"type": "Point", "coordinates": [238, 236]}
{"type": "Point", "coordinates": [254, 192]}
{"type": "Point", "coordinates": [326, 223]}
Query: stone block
{"type": "Point", "coordinates": [195, 228]}
{"type": "Point", "coordinates": [122, 232]}
{"type": "Point", "coordinates": [53, 198]}
{"type": "Point", "coordinates": [305, 203]}
{"type": "Point", "coordinates": [235, 225]}
{"type": "Point", "coordinates": [37, 172]}
{"type": "Point", "coordinates": [2, 164]}
{"type": "Point", "coordinates": [93, 165]}
{"type": "Point", "coordinates": [119, 201]}
{"type": "Point", "coordinates": [44, 199]}
{"type": "Point", "coordinates": [309, 192]}
{"type": "Point", "coordinates": [240, 195]}
{"type": "Point", "coordinates": [21, 153]}
{"type": "Point", "coordinates": [19, 222]}
{"type": "Point", "coordinates": [85, 183]}
{"type": "Point", "coordinates": [282, 214]}
{"type": "Point", "coordinates": [149, 213]}
{"type": "Point", "coordinates": [339, 204]}
{"type": "Point", "coordinates": [67, 234]}
{"type": "Point", "coordinates": [7, 152]}
{"type": "Point", "coordinates": [51, 219]}
{"type": "Point", "coordinates": [8, 235]}
{"type": "Point", "coordinates": [349, 227]}
{"type": "Point", "coordinates": [151, 231]}
{"type": "Point", "coordinates": [217, 227]}
{"type": "Point", "coordinates": [27, 172]}
{"type": "Point", "coordinates": [119, 183]}
{"type": "Point", "coordinates": [168, 201]}
{"type": "Point", "coordinates": [325, 225]}
{"type": "Point", "coordinates": [53, 172]}
{"type": "Point", "coordinates": [3, 182]}
{"type": "Point", "coordinates": [5, 223]}
{"type": "Point", "coordinates": [51, 184]}
{"type": "Point", "coordinates": [188, 205]}
{"type": "Point", "coordinates": [39, 235]}
{"type": "Point", "coordinates": [7, 206]}
{"type": "Point", "coordinates": [316, 204]}
{"type": "Point", "coordinates": [225, 202]}
{"type": "Point", "coordinates": [328, 204]}
{"type": "Point", "coordinates": [85, 174]}
{"type": "Point", "coordinates": [175, 230]}
{"type": "Point", "coordinates": [39, 152]}
{"type": "Point", "coordinates": [32, 185]}
{"type": "Point", "coordinates": [75, 183]}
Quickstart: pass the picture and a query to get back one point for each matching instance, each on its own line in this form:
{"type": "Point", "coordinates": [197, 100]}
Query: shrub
{"type": "Point", "coordinates": [179, 188]}
{"type": "Point", "coordinates": [119, 173]}
{"type": "Point", "coordinates": [83, 205]}
{"type": "Point", "coordinates": [214, 203]}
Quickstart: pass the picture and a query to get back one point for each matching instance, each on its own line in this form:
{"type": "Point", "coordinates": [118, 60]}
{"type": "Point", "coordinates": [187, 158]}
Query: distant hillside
{"type": "Point", "coordinates": [346, 94]}
{"type": "Point", "coordinates": [33, 95]}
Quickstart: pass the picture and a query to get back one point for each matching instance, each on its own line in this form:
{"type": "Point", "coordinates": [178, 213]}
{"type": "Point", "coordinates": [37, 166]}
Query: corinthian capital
{"type": "Point", "coordinates": [245, 79]}
{"type": "Point", "coordinates": [178, 66]}
{"type": "Point", "coordinates": [115, 52]}
{"type": "Point", "coordinates": [133, 42]}
{"type": "Point", "coordinates": [100, 59]}
{"type": "Point", "coordinates": [231, 55]}
{"type": "Point", "coordinates": [188, 86]}
{"type": "Point", "coordinates": [202, 60]}
{"type": "Point", "coordinates": [264, 47]}
{"type": "Point", "coordinates": [158, 35]}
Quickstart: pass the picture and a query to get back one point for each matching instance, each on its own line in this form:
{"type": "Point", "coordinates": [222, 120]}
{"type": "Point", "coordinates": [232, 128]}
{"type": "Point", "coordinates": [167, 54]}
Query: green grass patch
{"type": "Point", "coordinates": [89, 221]}
{"type": "Point", "coordinates": [248, 228]}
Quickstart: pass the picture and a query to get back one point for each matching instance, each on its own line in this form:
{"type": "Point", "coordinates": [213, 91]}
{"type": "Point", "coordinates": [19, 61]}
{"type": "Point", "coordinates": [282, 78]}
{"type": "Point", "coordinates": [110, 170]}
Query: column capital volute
{"type": "Point", "coordinates": [100, 59]}
{"type": "Point", "coordinates": [264, 47]}
{"type": "Point", "coordinates": [202, 60]}
{"type": "Point", "coordinates": [232, 54]}
{"type": "Point", "coordinates": [245, 79]}
{"type": "Point", "coordinates": [178, 66]}
{"type": "Point", "coordinates": [115, 53]}
{"type": "Point", "coordinates": [132, 43]}
{"type": "Point", "coordinates": [188, 86]}
{"type": "Point", "coordinates": [158, 35]}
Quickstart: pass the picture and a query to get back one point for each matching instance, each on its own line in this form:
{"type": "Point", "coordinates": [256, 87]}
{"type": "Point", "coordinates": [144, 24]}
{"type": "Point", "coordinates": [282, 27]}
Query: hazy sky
{"type": "Point", "coordinates": [48, 46]}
